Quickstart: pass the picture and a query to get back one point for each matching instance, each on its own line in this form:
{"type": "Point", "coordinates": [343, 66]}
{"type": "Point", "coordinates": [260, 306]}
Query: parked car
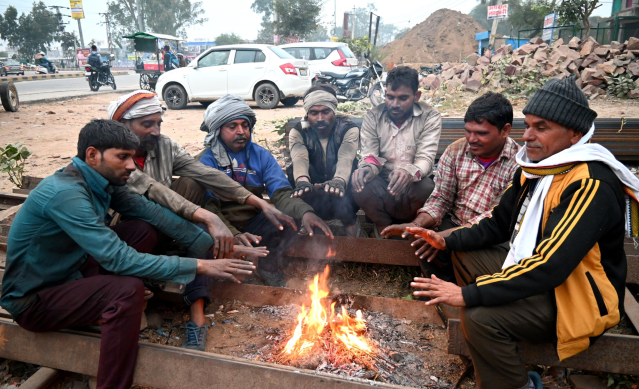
{"type": "Point", "coordinates": [264, 73]}
{"type": "Point", "coordinates": [323, 57]}
{"type": "Point", "coordinates": [11, 66]}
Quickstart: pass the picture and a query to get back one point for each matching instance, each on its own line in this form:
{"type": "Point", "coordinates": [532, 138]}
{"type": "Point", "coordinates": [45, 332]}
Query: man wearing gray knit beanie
{"type": "Point", "coordinates": [562, 278]}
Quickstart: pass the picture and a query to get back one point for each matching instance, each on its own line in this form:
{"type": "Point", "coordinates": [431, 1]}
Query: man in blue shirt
{"type": "Point", "coordinates": [229, 122]}
{"type": "Point", "coordinates": [66, 269]}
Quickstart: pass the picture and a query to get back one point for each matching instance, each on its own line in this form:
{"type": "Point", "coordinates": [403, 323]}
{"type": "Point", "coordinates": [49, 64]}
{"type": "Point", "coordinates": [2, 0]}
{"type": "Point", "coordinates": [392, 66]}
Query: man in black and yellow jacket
{"type": "Point", "coordinates": [549, 265]}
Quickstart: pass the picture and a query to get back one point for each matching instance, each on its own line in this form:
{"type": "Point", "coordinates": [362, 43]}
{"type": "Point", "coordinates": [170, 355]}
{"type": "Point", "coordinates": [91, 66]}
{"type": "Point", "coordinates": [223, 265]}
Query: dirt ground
{"type": "Point", "coordinates": [446, 35]}
{"type": "Point", "coordinates": [50, 130]}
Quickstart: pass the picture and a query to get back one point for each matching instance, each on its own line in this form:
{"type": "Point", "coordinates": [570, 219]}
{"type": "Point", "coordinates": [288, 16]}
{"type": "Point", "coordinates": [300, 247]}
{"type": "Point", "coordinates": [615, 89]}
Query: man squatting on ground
{"type": "Point", "coordinates": [229, 123]}
{"type": "Point", "coordinates": [563, 278]}
{"type": "Point", "coordinates": [157, 160]}
{"type": "Point", "coordinates": [323, 149]}
{"type": "Point", "coordinates": [472, 174]}
{"type": "Point", "coordinates": [66, 269]}
{"type": "Point", "coordinates": [399, 144]}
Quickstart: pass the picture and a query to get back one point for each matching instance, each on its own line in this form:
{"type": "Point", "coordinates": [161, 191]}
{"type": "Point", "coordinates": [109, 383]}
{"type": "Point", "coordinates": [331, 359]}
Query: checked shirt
{"type": "Point", "coordinates": [464, 189]}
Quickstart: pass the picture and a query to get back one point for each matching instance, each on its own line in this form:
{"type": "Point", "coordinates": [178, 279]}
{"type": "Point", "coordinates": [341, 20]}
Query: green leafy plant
{"type": "Point", "coordinates": [12, 159]}
{"type": "Point", "coordinates": [524, 83]}
{"type": "Point", "coordinates": [620, 84]}
{"type": "Point", "coordinates": [280, 129]}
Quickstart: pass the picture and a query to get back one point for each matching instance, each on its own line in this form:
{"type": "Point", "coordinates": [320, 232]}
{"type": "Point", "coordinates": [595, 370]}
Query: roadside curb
{"type": "Point", "coordinates": [55, 99]}
{"type": "Point", "coordinates": [53, 76]}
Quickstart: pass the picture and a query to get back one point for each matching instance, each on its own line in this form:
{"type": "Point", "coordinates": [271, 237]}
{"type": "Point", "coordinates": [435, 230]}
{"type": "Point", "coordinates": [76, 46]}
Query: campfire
{"type": "Point", "coordinates": [324, 334]}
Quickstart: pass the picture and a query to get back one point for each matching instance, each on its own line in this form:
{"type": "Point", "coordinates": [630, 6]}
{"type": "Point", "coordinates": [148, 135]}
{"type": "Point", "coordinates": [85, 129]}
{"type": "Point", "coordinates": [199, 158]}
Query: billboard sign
{"type": "Point", "coordinates": [497, 11]}
{"type": "Point", "coordinates": [549, 21]}
{"type": "Point", "coordinates": [83, 55]}
{"type": "Point", "coordinates": [77, 12]}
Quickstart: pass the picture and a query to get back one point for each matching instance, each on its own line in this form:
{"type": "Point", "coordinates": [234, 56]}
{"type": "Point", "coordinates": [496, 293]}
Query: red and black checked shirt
{"type": "Point", "coordinates": [464, 189]}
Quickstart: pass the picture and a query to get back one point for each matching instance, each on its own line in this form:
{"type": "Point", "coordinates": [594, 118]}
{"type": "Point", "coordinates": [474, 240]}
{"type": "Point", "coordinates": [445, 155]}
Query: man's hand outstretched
{"type": "Point", "coordinates": [225, 268]}
{"type": "Point", "coordinates": [431, 237]}
{"type": "Point", "coordinates": [439, 291]}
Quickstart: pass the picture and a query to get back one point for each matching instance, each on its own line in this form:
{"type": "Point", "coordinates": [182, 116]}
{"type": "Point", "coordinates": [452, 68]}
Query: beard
{"type": "Point", "coordinates": [112, 176]}
{"type": "Point", "coordinates": [149, 142]}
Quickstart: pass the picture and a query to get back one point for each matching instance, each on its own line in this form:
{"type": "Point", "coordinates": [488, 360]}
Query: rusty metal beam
{"type": "Point", "coordinates": [162, 366]}
{"type": "Point", "coordinates": [342, 248]}
{"type": "Point", "coordinates": [631, 306]}
{"type": "Point", "coordinates": [258, 295]}
{"type": "Point", "coordinates": [611, 353]}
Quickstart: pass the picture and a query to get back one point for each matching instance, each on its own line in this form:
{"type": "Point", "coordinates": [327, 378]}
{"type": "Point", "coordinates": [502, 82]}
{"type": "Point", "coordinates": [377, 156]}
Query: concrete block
{"type": "Point", "coordinates": [473, 85]}
{"type": "Point", "coordinates": [602, 51]}
{"type": "Point", "coordinates": [448, 74]}
{"type": "Point", "coordinates": [472, 59]}
{"type": "Point", "coordinates": [558, 43]}
{"type": "Point", "coordinates": [633, 68]}
{"type": "Point", "coordinates": [574, 43]}
{"type": "Point", "coordinates": [633, 43]}
{"type": "Point", "coordinates": [536, 41]}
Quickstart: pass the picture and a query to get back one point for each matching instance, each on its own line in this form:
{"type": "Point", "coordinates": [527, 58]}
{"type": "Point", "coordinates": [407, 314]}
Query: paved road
{"type": "Point", "coordinates": [70, 87]}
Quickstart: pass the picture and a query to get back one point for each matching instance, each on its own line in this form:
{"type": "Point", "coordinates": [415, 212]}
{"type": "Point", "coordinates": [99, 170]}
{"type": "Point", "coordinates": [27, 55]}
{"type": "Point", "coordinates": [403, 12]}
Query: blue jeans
{"type": "Point", "coordinates": [278, 242]}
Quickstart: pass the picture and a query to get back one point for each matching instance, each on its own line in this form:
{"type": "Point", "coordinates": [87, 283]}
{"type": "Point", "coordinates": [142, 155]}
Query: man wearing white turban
{"type": "Point", "coordinates": [158, 159]}
{"type": "Point", "coordinates": [228, 123]}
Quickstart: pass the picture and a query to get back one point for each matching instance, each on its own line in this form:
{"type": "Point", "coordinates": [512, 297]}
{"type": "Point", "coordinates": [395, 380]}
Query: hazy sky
{"type": "Point", "coordinates": [236, 16]}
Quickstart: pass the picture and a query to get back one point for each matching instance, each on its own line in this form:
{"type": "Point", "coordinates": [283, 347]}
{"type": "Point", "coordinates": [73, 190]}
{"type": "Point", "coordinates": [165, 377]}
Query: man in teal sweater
{"type": "Point", "coordinates": [65, 268]}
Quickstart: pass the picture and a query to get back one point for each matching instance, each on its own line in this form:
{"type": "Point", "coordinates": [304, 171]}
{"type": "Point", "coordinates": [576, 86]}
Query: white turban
{"type": "Point", "coordinates": [135, 105]}
{"type": "Point", "coordinates": [320, 97]}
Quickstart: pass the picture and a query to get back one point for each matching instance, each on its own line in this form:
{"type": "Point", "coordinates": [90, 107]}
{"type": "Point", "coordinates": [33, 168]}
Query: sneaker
{"type": "Point", "coordinates": [195, 337]}
{"type": "Point", "coordinates": [271, 278]}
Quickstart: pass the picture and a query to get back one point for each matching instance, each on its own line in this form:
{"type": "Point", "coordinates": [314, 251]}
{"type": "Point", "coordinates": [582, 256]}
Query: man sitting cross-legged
{"type": "Point", "coordinates": [563, 279]}
{"type": "Point", "coordinates": [324, 149]}
{"type": "Point", "coordinates": [229, 123]}
{"type": "Point", "coordinates": [399, 144]}
{"type": "Point", "coordinates": [66, 269]}
{"type": "Point", "coordinates": [472, 174]}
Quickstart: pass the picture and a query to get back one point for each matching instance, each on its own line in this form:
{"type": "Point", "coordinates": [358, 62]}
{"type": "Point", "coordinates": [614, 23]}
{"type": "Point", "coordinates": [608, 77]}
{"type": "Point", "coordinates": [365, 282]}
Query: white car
{"type": "Point", "coordinates": [264, 73]}
{"type": "Point", "coordinates": [325, 57]}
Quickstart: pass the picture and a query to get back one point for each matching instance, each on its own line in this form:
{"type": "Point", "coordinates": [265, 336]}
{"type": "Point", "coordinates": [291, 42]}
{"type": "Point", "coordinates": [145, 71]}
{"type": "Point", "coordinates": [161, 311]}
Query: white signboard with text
{"type": "Point", "coordinates": [549, 21]}
{"type": "Point", "coordinates": [497, 11]}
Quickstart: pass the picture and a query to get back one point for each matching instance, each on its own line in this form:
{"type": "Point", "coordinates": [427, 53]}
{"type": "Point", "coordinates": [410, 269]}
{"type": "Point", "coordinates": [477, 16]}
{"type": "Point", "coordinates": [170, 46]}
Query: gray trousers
{"type": "Point", "coordinates": [491, 333]}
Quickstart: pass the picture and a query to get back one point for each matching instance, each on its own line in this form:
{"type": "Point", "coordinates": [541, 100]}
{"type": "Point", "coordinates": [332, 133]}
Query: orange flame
{"type": "Point", "coordinates": [331, 253]}
{"type": "Point", "coordinates": [313, 322]}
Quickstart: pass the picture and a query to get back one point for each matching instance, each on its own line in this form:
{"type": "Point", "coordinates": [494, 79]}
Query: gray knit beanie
{"type": "Point", "coordinates": [562, 102]}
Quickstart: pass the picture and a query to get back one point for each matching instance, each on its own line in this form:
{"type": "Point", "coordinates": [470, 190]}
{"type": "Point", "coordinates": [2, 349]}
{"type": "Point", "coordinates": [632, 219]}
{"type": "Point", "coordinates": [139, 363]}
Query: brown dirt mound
{"type": "Point", "coordinates": [442, 37]}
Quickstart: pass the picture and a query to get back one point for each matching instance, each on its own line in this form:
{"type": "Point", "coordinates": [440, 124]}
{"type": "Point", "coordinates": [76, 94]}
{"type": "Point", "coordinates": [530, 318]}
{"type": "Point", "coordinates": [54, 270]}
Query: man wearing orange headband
{"type": "Point", "coordinates": [158, 159]}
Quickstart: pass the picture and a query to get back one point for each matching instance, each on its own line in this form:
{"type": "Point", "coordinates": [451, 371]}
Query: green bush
{"type": "Point", "coordinates": [12, 159]}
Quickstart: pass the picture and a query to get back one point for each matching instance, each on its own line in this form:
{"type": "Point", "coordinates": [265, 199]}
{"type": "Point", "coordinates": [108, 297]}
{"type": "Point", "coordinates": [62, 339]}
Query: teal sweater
{"type": "Point", "coordinates": [62, 222]}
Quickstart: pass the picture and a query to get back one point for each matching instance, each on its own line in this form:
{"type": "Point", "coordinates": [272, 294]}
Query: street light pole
{"type": "Point", "coordinates": [80, 31]}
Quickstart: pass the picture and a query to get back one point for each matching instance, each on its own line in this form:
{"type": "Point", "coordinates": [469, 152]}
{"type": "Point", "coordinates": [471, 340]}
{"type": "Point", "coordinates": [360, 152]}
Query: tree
{"type": "Point", "coordinates": [68, 40]}
{"type": "Point", "coordinates": [297, 17]}
{"type": "Point", "coordinates": [170, 17]}
{"type": "Point", "coordinates": [32, 32]}
{"type": "Point", "coordinates": [228, 39]}
{"type": "Point", "coordinates": [575, 11]}
{"type": "Point", "coordinates": [402, 33]}
{"type": "Point", "coordinates": [294, 17]}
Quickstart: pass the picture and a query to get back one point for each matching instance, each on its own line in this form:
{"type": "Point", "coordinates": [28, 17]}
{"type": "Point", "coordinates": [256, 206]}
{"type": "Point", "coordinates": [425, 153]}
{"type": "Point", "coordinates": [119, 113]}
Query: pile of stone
{"type": "Point", "coordinates": [594, 65]}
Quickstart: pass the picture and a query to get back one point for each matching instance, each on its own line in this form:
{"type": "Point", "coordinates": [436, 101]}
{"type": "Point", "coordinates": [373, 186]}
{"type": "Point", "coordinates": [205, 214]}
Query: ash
{"type": "Point", "coordinates": [402, 351]}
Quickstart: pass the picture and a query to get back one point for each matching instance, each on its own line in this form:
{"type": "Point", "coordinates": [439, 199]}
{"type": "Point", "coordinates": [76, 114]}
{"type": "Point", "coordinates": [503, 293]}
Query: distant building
{"type": "Point", "coordinates": [623, 22]}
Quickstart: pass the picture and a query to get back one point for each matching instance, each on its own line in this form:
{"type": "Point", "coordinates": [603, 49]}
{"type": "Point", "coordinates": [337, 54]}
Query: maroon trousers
{"type": "Point", "coordinates": [115, 300]}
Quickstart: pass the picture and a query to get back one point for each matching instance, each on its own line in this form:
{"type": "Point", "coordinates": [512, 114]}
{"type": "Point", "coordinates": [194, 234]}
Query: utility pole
{"type": "Point", "coordinates": [370, 26]}
{"type": "Point", "coordinates": [354, 22]}
{"type": "Point", "coordinates": [138, 5]}
{"type": "Point", "coordinates": [81, 36]}
{"type": "Point", "coordinates": [335, 16]}
{"type": "Point", "coordinates": [493, 31]}
{"type": "Point", "coordinates": [108, 27]}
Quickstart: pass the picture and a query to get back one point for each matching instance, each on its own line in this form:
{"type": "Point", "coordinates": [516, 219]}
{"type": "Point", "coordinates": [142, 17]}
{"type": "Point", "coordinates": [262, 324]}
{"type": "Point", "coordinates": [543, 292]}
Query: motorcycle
{"type": "Point", "coordinates": [97, 79]}
{"type": "Point", "coordinates": [41, 69]}
{"type": "Point", "coordinates": [357, 84]}
{"type": "Point", "coordinates": [426, 70]}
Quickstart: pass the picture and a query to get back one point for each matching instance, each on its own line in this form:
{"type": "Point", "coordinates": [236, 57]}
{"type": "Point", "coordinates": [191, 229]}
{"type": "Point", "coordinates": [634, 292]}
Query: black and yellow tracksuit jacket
{"type": "Point", "coordinates": [579, 253]}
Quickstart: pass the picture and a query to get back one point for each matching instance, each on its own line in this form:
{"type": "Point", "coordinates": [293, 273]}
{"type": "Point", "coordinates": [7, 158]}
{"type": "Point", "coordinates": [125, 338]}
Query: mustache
{"type": "Point", "coordinates": [148, 142]}
{"type": "Point", "coordinates": [240, 137]}
{"type": "Point", "coordinates": [320, 124]}
{"type": "Point", "coordinates": [533, 144]}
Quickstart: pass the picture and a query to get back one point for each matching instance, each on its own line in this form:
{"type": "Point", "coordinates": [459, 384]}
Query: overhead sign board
{"type": "Point", "coordinates": [498, 11]}
{"type": "Point", "coordinates": [549, 22]}
{"type": "Point", "coordinates": [77, 12]}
